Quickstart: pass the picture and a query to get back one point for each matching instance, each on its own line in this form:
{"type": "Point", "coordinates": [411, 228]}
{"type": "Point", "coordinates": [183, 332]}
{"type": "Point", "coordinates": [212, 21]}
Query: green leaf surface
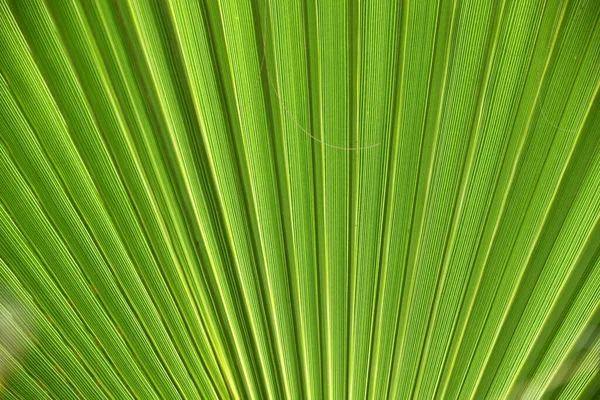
{"type": "Point", "coordinates": [289, 199]}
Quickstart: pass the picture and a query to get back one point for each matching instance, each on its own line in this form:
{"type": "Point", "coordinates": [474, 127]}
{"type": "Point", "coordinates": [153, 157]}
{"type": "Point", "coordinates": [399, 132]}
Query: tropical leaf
{"type": "Point", "coordinates": [277, 199]}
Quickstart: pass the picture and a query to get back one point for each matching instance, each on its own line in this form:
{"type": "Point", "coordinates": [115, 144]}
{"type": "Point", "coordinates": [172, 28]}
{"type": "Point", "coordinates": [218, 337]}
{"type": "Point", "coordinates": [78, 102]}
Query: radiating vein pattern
{"type": "Point", "coordinates": [300, 199]}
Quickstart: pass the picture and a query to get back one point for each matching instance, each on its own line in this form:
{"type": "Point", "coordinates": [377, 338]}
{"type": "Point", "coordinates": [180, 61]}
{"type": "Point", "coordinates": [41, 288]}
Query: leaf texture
{"type": "Point", "coordinates": [300, 199]}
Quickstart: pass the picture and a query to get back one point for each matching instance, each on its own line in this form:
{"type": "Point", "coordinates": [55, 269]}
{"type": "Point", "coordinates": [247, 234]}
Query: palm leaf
{"type": "Point", "coordinates": [299, 199]}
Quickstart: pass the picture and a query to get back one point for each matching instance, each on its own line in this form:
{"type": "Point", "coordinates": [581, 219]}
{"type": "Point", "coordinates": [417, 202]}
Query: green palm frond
{"type": "Point", "coordinates": [295, 199]}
